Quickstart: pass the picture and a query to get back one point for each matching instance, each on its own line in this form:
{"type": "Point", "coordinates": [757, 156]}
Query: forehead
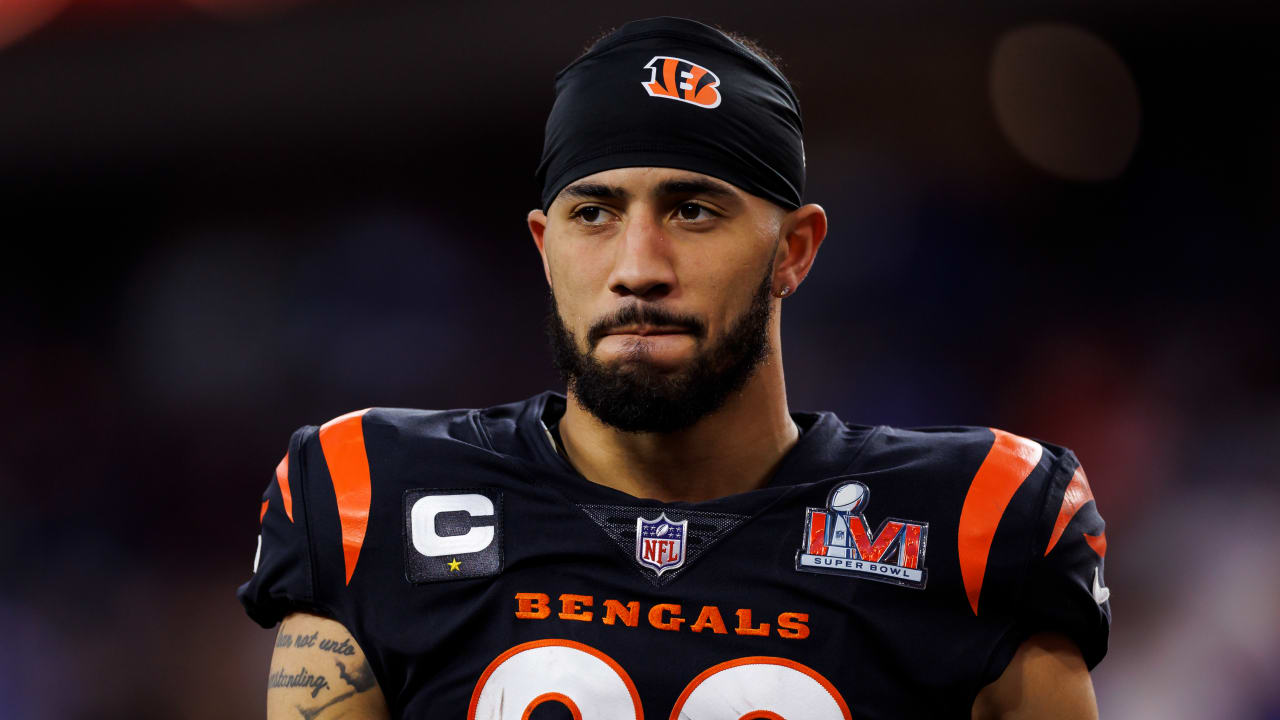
{"type": "Point", "coordinates": [649, 182]}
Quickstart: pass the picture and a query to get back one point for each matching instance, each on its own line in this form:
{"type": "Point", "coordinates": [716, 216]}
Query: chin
{"type": "Point", "coordinates": [643, 363]}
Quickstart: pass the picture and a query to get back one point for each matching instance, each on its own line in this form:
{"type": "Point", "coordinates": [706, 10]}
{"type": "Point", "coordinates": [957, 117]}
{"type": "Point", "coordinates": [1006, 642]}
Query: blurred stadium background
{"type": "Point", "coordinates": [223, 219]}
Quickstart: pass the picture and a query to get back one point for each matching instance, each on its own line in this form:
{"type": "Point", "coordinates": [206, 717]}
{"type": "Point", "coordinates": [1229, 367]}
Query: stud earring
{"type": "Point", "coordinates": [783, 292]}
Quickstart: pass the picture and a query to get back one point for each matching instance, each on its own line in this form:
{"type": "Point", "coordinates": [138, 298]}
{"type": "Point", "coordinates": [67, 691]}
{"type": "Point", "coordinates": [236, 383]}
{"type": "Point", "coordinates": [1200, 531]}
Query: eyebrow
{"type": "Point", "coordinates": [595, 190]}
{"type": "Point", "coordinates": [699, 186]}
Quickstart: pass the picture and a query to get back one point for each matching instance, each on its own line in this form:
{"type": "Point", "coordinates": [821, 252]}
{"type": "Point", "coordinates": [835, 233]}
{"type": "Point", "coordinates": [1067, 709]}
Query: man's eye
{"type": "Point", "coordinates": [694, 211]}
{"type": "Point", "coordinates": [590, 215]}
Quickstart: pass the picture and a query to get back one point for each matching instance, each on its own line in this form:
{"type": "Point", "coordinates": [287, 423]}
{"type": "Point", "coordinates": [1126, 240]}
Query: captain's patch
{"type": "Point", "coordinates": [452, 534]}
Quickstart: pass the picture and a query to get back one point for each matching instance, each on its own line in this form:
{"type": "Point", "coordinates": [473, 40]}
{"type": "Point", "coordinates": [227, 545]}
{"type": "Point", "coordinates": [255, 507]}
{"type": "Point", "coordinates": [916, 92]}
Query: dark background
{"type": "Point", "coordinates": [223, 219]}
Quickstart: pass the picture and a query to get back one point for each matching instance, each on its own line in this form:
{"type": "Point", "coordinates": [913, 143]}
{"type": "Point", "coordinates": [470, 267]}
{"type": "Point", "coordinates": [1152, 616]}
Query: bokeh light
{"type": "Point", "coordinates": [1066, 100]}
{"type": "Point", "coordinates": [20, 17]}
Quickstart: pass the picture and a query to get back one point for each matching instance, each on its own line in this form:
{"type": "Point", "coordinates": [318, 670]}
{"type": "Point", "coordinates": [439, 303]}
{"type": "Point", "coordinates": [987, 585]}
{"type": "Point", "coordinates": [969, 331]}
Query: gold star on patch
{"type": "Point", "coordinates": [454, 565]}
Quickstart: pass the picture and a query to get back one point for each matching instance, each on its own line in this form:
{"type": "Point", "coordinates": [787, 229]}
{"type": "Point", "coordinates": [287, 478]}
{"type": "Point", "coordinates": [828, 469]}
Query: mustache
{"type": "Point", "coordinates": [636, 314]}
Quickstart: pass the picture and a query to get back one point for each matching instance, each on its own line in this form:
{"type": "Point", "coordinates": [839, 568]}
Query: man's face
{"type": "Point", "coordinates": [661, 293]}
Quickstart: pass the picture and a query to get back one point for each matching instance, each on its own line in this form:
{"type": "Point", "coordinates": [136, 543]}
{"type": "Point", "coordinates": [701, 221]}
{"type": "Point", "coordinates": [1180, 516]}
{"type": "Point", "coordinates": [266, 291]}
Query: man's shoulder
{"type": "Point", "coordinates": [994, 501]}
{"type": "Point", "coordinates": [389, 447]}
{"type": "Point", "coordinates": [382, 425]}
{"type": "Point", "coordinates": [975, 471]}
{"type": "Point", "coordinates": [962, 446]}
{"type": "Point", "coordinates": [400, 424]}
{"type": "Point", "coordinates": [388, 428]}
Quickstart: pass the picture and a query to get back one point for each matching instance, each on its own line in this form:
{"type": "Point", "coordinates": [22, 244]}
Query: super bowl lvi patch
{"type": "Point", "coordinates": [838, 541]}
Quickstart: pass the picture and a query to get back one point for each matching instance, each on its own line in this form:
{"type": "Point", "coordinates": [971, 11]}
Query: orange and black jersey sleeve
{"type": "Point", "coordinates": [283, 574]}
{"type": "Point", "coordinates": [1015, 542]}
{"type": "Point", "coordinates": [316, 511]}
{"type": "Point", "coordinates": [1030, 546]}
{"type": "Point", "coordinates": [315, 518]}
{"type": "Point", "coordinates": [1066, 588]}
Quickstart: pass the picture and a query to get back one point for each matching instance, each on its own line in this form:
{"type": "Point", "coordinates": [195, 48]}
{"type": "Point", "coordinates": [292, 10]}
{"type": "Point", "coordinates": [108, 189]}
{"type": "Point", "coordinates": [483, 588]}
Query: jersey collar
{"type": "Point", "coordinates": [827, 446]}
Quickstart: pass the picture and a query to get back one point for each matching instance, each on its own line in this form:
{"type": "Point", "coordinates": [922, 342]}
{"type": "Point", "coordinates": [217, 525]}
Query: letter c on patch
{"type": "Point", "coordinates": [422, 519]}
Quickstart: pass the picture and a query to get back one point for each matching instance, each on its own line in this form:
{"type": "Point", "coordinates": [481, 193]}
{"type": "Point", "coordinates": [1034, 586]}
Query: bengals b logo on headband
{"type": "Point", "coordinates": [682, 80]}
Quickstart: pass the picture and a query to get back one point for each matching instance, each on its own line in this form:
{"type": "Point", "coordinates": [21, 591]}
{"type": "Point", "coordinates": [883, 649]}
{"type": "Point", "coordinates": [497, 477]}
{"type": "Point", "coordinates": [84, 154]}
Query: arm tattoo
{"type": "Point", "coordinates": [311, 713]}
{"type": "Point", "coordinates": [303, 679]}
{"type": "Point", "coordinates": [337, 647]}
{"type": "Point", "coordinates": [361, 679]}
{"type": "Point", "coordinates": [340, 648]}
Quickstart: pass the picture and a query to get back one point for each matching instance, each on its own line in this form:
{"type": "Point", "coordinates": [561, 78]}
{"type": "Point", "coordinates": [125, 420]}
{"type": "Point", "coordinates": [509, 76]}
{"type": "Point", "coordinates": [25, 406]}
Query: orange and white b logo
{"type": "Point", "coordinates": [677, 79]}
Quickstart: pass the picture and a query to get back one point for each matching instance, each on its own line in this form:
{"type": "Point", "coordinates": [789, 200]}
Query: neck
{"type": "Point", "coordinates": [734, 449]}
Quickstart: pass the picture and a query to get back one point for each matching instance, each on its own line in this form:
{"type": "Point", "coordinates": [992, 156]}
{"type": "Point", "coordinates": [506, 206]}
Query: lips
{"type": "Point", "coordinates": [646, 330]}
{"type": "Point", "coordinates": [631, 322]}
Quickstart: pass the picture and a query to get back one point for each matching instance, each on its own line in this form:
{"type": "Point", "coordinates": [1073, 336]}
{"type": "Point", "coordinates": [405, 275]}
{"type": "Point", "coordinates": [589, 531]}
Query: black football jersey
{"type": "Point", "coordinates": [881, 573]}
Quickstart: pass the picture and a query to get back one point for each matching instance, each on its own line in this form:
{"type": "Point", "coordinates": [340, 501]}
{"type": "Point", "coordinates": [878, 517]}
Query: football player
{"type": "Point", "coordinates": [668, 539]}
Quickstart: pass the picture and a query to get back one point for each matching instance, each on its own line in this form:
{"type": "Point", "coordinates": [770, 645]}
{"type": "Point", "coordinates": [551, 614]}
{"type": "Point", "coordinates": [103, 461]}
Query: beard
{"type": "Point", "coordinates": [633, 395]}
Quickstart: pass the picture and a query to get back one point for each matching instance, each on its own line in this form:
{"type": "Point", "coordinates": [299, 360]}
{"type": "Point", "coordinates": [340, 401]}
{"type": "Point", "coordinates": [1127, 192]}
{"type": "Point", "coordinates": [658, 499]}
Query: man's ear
{"type": "Point", "coordinates": [803, 230]}
{"type": "Point", "coordinates": [538, 228]}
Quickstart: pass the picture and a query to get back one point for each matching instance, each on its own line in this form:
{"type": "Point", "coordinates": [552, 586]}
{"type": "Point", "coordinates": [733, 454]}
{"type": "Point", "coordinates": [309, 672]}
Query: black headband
{"type": "Point", "coordinates": [671, 92]}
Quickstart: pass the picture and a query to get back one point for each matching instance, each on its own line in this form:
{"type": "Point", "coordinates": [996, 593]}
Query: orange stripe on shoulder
{"type": "Point", "coordinates": [1098, 543]}
{"type": "Point", "coordinates": [282, 479]}
{"type": "Point", "coordinates": [1076, 496]}
{"type": "Point", "coordinates": [1008, 464]}
{"type": "Point", "coordinates": [262, 515]}
{"type": "Point", "coordinates": [342, 441]}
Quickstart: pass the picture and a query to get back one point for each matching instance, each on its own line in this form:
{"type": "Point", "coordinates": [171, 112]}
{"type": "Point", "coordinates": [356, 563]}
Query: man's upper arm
{"type": "Point", "coordinates": [1047, 679]}
{"type": "Point", "coordinates": [318, 672]}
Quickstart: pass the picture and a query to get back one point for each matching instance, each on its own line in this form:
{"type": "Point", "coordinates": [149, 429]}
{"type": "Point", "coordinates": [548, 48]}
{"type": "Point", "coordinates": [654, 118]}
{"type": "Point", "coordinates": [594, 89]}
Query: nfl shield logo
{"type": "Point", "coordinates": [660, 543]}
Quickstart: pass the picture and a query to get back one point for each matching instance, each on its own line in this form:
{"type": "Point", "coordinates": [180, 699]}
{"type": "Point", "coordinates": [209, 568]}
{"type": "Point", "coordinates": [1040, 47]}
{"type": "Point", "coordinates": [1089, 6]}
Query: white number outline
{"type": "Point", "coordinates": [553, 642]}
{"type": "Point", "coordinates": [689, 689]}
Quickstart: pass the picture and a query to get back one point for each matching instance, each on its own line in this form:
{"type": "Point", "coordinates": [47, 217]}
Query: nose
{"type": "Point", "coordinates": [642, 265]}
